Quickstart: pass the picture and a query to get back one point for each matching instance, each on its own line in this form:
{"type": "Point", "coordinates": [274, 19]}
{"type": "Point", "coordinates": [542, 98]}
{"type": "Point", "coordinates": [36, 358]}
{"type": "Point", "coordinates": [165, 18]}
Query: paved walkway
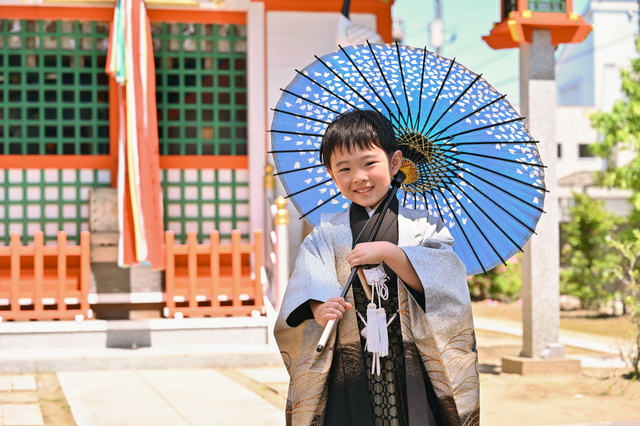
{"type": "Point", "coordinates": [164, 397]}
{"type": "Point", "coordinates": [19, 402]}
{"type": "Point", "coordinates": [608, 347]}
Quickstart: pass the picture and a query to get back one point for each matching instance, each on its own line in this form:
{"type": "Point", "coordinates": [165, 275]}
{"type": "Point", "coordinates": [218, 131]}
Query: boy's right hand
{"type": "Point", "coordinates": [333, 308]}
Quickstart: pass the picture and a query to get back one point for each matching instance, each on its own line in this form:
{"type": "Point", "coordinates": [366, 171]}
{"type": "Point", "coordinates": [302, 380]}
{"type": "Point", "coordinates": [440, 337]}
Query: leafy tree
{"type": "Point", "coordinates": [501, 283]}
{"type": "Point", "coordinates": [628, 274]}
{"type": "Point", "coordinates": [589, 257]}
{"type": "Point", "coordinates": [620, 130]}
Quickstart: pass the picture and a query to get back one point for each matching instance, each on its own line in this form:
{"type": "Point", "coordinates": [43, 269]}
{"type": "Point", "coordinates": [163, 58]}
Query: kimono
{"type": "Point", "coordinates": [432, 366]}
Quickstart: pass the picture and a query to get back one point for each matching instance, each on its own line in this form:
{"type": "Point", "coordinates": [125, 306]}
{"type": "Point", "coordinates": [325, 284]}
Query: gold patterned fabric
{"type": "Point", "coordinates": [438, 341]}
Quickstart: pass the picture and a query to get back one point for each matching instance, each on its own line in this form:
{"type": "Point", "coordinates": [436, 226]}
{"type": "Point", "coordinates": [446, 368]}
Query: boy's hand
{"type": "Point", "coordinates": [333, 308]}
{"type": "Point", "coordinates": [372, 253]}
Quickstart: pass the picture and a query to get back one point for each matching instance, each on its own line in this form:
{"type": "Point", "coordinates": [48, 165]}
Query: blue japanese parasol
{"type": "Point", "coordinates": [467, 154]}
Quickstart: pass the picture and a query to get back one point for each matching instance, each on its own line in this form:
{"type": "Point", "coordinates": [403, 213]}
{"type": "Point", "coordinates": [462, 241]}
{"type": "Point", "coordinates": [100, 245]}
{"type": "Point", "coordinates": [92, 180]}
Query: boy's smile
{"type": "Point", "coordinates": [364, 176]}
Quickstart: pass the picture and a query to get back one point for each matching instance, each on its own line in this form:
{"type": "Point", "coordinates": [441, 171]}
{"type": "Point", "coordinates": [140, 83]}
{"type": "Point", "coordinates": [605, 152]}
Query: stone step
{"type": "Point", "coordinates": [132, 334]}
{"type": "Point", "coordinates": [18, 361]}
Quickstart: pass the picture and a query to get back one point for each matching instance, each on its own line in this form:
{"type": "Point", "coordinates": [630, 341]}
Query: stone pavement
{"type": "Point", "coordinates": [607, 347]}
{"type": "Point", "coordinates": [19, 402]}
{"type": "Point", "coordinates": [164, 397]}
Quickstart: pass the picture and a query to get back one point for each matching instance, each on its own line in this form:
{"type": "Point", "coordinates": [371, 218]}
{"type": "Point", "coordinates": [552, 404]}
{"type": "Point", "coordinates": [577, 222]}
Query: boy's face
{"type": "Point", "coordinates": [364, 176]}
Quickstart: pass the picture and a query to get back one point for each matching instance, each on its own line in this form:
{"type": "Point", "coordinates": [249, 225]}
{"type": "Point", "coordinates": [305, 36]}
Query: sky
{"type": "Point", "coordinates": [465, 22]}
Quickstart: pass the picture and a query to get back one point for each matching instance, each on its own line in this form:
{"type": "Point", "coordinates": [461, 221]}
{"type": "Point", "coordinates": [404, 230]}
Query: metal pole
{"type": "Point", "coordinates": [439, 19]}
{"type": "Point", "coordinates": [282, 249]}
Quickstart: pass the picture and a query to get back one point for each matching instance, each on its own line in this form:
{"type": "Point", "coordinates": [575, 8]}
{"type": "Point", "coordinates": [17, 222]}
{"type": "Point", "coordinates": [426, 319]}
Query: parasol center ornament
{"type": "Point", "coordinates": [410, 170]}
{"type": "Point", "coordinates": [423, 162]}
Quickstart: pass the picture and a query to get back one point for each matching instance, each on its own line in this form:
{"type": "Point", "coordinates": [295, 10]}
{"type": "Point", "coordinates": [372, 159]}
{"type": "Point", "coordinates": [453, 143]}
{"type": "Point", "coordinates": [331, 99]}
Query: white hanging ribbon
{"type": "Point", "coordinates": [376, 324]}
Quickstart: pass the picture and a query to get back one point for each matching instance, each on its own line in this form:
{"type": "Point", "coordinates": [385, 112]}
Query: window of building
{"type": "Point", "coordinates": [584, 151]}
{"type": "Point", "coordinates": [559, 150]}
{"type": "Point", "coordinates": [547, 5]}
{"type": "Point", "coordinates": [48, 200]}
{"type": "Point", "coordinates": [201, 88]}
{"type": "Point", "coordinates": [201, 95]}
{"type": "Point", "coordinates": [56, 92]}
{"type": "Point", "coordinates": [204, 200]}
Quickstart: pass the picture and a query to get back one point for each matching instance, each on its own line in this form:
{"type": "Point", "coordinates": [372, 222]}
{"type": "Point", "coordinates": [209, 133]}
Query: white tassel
{"type": "Point", "coordinates": [373, 335]}
{"type": "Point", "coordinates": [376, 331]}
{"type": "Point", "coordinates": [384, 333]}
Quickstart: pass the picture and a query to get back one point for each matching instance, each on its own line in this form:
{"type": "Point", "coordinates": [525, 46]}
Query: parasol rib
{"type": "Point", "coordinates": [384, 77]}
{"type": "Point", "coordinates": [451, 151]}
{"type": "Point", "coordinates": [501, 159]}
{"type": "Point", "coordinates": [513, 120]}
{"type": "Point", "coordinates": [504, 190]}
{"type": "Point", "coordinates": [497, 173]}
{"type": "Point", "coordinates": [491, 143]}
{"type": "Point", "coordinates": [391, 114]}
{"type": "Point", "coordinates": [284, 132]}
{"type": "Point", "coordinates": [306, 189]}
{"type": "Point", "coordinates": [301, 116]}
{"type": "Point", "coordinates": [476, 224]}
{"type": "Point", "coordinates": [426, 203]}
{"type": "Point", "coordinates": [404, 86]}
{"type": "Point", "coordinates": [499, 206]}
{"type": "Point", "coordinates": [454, 102]}
{"type": "Point", "coordinates": [475, 111]}
{"type": "Point", "coordinates": [320, 205]}
{"type": "Point", "coordinates": [424, 59]}
{"type": "Point", "coordinates": [348, 85]}
{"type": "Point", "coordinates": [293, 150]}
{"type": "Point", "coordinates": [484, 213]}
{"type": "Point", "coordinates": [435, 101]}
{"type": "Point", "coordinates": [437, 204]}
{"type": "Point", "coordinates": [297, 170]}
{"type": "Point", "coordinates": [464, 234]}
{"type": "Point", "coordinates": [328, 90]}
{"type": "Point", "coordinates": [310, 101]}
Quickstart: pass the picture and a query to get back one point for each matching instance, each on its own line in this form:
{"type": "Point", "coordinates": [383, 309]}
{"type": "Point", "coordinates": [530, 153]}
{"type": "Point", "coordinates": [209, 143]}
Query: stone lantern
{"type": "Point", "coordinates": [537, 27]}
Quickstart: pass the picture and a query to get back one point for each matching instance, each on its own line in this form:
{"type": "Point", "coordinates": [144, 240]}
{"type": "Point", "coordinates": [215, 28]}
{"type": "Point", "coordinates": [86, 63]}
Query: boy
{"type": "Point", "coordinates": [430, 375]}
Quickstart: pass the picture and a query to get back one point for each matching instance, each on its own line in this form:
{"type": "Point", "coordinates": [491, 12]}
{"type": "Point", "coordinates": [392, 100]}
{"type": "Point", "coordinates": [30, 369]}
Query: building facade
{"type": "Point", "coordinates": [588, 80]}
{"type": "Point", "coordinates": [219, 66]}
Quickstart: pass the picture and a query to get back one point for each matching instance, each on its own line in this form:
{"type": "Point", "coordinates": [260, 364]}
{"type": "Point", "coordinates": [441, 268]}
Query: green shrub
{"type": "Point", "coordinates": [501, 283]}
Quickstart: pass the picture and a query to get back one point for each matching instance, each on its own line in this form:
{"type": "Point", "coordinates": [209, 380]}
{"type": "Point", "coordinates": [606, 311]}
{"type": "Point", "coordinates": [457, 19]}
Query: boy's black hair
{"type": "Point", "coordinates": [358, 129]}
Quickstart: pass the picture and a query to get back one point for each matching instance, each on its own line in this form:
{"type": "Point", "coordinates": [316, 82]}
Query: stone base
{"type": "Point", "coordinates": [529, 366]}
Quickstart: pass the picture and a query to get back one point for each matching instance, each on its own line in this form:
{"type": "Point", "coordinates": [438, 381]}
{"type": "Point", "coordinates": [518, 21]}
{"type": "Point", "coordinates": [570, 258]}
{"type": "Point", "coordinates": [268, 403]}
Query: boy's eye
{"type": "Point", "coordinates": [371, 163]}
{"type": "Point", "coordinates": [344, 170]}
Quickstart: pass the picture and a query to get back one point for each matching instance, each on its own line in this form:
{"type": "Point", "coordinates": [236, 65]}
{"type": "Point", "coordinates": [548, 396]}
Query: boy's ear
{"type": "Point", "coordinates": [396, 162]}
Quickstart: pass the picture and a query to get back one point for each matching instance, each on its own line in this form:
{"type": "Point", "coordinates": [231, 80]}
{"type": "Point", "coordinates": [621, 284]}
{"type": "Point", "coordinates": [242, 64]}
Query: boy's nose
{"type": "Point", "coordinates": [359, 176]}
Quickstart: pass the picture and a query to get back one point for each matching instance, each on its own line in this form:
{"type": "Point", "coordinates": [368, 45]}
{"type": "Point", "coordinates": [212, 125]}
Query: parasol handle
{"type": "Point", "coordinates": [331, 325]}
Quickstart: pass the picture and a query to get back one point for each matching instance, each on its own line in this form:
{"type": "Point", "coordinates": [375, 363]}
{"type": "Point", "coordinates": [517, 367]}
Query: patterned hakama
{"type": "Point", "coordinates": [430, 376]}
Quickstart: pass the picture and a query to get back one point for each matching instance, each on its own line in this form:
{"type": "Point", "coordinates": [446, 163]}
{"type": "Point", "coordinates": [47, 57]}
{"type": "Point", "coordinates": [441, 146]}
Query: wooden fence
{"type": "Point", "coordinates": [44, 282]}
{"type": "Point", "coordinates": [214, 278]}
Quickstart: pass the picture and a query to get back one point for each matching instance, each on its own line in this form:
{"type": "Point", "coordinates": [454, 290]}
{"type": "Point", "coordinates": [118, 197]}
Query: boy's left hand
{"type": "Point", "coordinates": [372, 253]}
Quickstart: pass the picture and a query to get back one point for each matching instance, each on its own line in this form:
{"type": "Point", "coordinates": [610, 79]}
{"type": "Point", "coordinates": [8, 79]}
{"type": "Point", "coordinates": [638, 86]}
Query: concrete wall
{"type": "Point", "coordinates": [572, 129]}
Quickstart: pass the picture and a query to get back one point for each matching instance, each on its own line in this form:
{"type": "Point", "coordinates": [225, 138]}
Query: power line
{"type": "Point", "coordinates": [492, 60]}
{"type": "Point", "coordinates": [602, 46]}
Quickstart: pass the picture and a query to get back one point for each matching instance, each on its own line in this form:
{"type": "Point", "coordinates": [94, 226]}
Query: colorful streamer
{"type": "Point", "coordinates": [130, 63]}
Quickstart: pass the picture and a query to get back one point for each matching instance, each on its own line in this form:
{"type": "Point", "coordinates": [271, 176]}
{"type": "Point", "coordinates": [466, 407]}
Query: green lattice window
{"type": "Point", "coordinates": [54, 94]}
{"type": "Point", "coordinates": [48, 200]}
{"type": "Point", "coordinates": [508, 7]}
{"type": "Point", "coordinates": [204, 200]}
{"type": "Point", "coordinates": [201, 88]}
{"type": "Point", "coordinates": [547, 5]}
